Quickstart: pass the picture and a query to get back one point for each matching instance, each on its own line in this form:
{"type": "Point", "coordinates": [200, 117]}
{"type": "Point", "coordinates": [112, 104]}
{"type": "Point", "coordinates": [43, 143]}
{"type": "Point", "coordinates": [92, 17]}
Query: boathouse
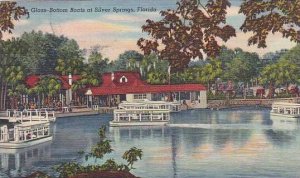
{"type": "Point", "coordinates": [120, 86]}
{"type": "Point", "coordinates": [124, 86]}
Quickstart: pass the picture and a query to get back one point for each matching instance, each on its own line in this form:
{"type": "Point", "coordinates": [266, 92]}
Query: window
{"type": "Point", "coordinates": [139, 96]}
{"type": "Point", "coordinates": [123, 79]}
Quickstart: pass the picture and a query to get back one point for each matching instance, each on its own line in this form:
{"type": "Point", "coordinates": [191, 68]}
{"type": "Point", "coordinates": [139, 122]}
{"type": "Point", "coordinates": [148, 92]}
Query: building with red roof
{"type": "Point", "coordinates": [127, 85]}
{"type": "Point", "coordinates": [121, 85]}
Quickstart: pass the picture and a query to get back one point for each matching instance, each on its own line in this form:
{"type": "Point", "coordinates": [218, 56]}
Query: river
{"type": "Point", "coordinates": [198, 143]}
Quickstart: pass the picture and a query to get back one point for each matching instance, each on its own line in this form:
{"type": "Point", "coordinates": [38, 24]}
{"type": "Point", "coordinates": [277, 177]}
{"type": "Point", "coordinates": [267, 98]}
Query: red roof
{"type": "Point", "coordinates": [74, 77]}
{"type": "Point", "coordinates": [133, 79]}
{"type": "Point", "coordinates": [113, 84]}
{"type": "Point", "coordinates": [32, 80]}
{"type": "Point", "coordinates": [122, 83]}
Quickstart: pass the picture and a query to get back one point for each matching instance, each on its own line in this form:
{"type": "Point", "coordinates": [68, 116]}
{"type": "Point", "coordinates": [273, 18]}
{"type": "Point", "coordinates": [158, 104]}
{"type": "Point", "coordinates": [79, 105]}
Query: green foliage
{"type": "Point", "coordinates": [70, 60]}
{"type": "Point", "coordinates": [283, 95]}
{"type": "Point", "coordinates": [98, 151]}
{"type": "Point", "coordinates": [42, 50]}
{"type": "Point", "coordinates": [211, 71]}
{"type": "Point", "coordinates": [280, 73]}
{"type": "Point", "coordinates": [48, 85]}
{"type": "Point", "coordinates": [69, 169]}
{"type": "Point", "coordinates": [132, 156]}
{"type": "Point", "coordinates": [127, 60]}
{"type": "Point", "coordinates": [242, 67]}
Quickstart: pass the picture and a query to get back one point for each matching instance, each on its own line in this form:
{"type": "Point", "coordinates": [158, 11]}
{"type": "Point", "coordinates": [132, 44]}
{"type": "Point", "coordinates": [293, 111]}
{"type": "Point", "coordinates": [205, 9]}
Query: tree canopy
{"type": "Point", "coordinates": [9, 11]}
{"type": "Point", "coordinates": [189, 31]}
{"type": "Point", "coordinates": [270, 16]}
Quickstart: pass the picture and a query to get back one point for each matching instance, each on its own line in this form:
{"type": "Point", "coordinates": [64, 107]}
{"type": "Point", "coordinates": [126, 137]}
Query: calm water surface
{"type": "Point", "coordinates": [199, 143]}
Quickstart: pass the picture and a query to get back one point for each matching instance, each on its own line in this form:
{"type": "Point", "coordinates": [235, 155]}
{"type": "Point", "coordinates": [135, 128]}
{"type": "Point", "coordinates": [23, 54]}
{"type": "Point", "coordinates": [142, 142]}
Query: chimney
{"type": "Point", "coordinates": [112, 76]}
{"type": "Point", "coordinates": [70, 79]}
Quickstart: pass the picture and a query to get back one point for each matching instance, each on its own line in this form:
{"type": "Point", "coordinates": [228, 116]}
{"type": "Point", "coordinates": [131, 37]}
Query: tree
{"type": "Point", "coordinates": [47, 87]}
{"type": "Point", "coordinates": [9, 12]}
{"type": "Point", "coordinates": [42, 50]}
{"type": "Point", "coordinates": [11, 53]}
{"type": "Point", "coordinates": [153, 69]}
{"type": "Point", "coordinates": [210, 72]}
{"type": "Point", "coordinates": [272, 57]}
{"type": "Point", "coordinates": [270, 16]}
{"type": "Point", "coordinates": [242, 68]}
{"type": "Point", "coordinates": [128, 58]}
{"type": "Point", "coordinates": [283, 72]}
{"type": "Point", "coordinates": [15, 79]}
{"type": "Point", "coordinates": [97, 63]}
{"type": "Point", "coordinates": [70, 60]}
{"type": "Point", "coordinates": [187, 32]}
{"type": "Point", "coordinates": [293, 56]}
{"type": "Point", "coordinates": [269, 76]}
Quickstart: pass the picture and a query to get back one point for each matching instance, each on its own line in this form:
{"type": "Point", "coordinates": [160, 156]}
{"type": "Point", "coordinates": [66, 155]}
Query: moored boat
{"type": "Point", "coordinates": [140, 114]}
{"type": "Point", "coordinates": [285, 111]}
{"type": "Point", "coordinates": [29, 115]}
{"type": "Point", "coordinates": [24, 134]}
{"type": "Point", "coordinates": [147, 104]}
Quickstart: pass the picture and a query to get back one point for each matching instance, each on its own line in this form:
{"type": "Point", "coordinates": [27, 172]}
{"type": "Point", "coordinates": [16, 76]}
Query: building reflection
{"type": "Point", "coordinates": [13, 161]}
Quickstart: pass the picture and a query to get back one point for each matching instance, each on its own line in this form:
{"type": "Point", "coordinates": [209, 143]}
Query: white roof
{"type": "Point", "coordinates": [286, 104]}
{"type": "Point", "coordinates": [32, 123]}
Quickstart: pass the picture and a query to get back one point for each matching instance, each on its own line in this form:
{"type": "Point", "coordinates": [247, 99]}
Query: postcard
{"type": "Point", "coordinates": [149, 88]}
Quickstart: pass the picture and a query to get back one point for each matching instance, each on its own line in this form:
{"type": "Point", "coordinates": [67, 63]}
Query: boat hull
{"type": "Point", "coordinates": [285, 115]}
{"type": "Point", "coordinates": [153, 123]}
{"type": "Point", "coordinates": [15, 145]}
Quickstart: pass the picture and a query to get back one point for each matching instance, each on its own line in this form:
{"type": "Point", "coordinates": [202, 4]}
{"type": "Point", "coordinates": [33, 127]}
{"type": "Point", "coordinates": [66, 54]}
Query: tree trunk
{"type": "Point", "coordinates": [287, 88]}
{"type": "Point", "coordinates": [1, 95]}
{"type": "Point", "coordinates": [208, 86]}
{"type": "Point", "coordinates": [271, 91]}
{"type": "Point", "coordinates": [244, 92]}
{"type": "Point", "coordinates": [4, 95]}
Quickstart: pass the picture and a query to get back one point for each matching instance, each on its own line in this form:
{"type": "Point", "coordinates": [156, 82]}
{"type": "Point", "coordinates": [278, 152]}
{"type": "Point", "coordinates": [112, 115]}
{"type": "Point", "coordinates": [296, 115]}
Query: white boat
{"type": "Point", "coordinates": [140, 114]}
{"type": "Point", "coordinates": [285, 111]}
{"type": "Point", "coordinates": [29, 115]}
{"type": "Point", "coordinates": [25, 134]}
{"type": "Point", "coordinates": [147, 104]}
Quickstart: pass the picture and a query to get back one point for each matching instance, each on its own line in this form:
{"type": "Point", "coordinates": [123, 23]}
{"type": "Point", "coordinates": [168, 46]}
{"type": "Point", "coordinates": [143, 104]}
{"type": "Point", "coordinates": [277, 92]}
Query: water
{"type": "Point", "coordinates": [199, 143]}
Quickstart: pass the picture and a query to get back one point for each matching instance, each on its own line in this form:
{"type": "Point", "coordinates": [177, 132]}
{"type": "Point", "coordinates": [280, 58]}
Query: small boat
{"type": "Point", "coordinates": [24, 134]}
{"type": "Point", "coordinates": [285, 111]}
{"type": "Point", "coordinates": [140, 114]}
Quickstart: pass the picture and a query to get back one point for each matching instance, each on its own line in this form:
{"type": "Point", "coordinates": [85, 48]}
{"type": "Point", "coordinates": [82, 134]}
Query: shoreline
{"type": "Point", "coordinates": [237, 103]}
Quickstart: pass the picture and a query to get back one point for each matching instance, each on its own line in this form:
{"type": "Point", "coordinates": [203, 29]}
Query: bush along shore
{"type": "Point", "coordinates": [109, 169]}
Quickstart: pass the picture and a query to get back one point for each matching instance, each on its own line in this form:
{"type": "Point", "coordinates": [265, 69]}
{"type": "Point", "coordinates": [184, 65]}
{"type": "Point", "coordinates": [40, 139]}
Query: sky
{"type": "Point", "coordinates": [117, 31]}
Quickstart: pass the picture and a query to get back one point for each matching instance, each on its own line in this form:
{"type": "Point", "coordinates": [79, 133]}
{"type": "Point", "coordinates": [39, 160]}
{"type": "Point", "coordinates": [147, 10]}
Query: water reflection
{"type": "Point", "coordinates": [204, 143]}
{"type": "Point", "coordinates": [15, 161]}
